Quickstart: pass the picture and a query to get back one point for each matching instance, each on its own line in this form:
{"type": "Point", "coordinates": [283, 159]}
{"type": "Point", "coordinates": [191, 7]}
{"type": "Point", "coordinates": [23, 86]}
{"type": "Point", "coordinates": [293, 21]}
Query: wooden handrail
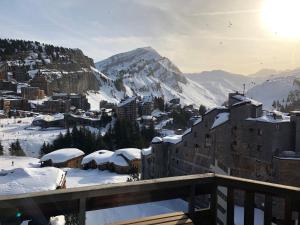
{"type": "Point", "coordinates": [82, 199]}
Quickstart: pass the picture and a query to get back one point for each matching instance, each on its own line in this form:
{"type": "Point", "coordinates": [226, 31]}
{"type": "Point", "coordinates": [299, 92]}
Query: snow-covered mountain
{"type": "Point", "coordinates": [275, 88]}
{"type": "Point", "coordinates": [219, 83]}
{"type": "Point", "coordinates": [143, 72]}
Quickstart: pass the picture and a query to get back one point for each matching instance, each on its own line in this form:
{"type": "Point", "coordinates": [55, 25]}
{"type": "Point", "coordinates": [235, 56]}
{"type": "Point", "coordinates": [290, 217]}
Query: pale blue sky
{"type": "Point", "coordinates": [196, 35]}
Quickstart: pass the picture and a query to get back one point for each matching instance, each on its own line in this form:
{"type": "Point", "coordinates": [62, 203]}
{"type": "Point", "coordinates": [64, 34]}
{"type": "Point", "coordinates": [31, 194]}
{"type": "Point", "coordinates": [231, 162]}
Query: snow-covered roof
{"type": "Point", "coordinates": [270, 119]}
{"type": "Point", "coordinates": [199, 120]}
{"type": "Point", "coordinates": [156, 140]}
{"type": "Point", "coordinates": [158, 113]}
{"type": "Point", "coordinates": [126, 101]}
{"type": "Point", "coordinates": [245, 99]}
{"type": "Point", "coordinates": [215, 108]}
{"type": "Point", "coordinates": [100, 157]}
{"type": "Point", "coordinates": [49, 118]}
{"type": "Point", "coordinates": [148, 98]}
{"type": "Point", "coordinates": [147, 151]}
{"type": "Point", "coordinates": [62, 155]}
{"type": "Point", "coordinates": [220, 119]}
{"type": "Point", "coordinates": [24, 180]}
{"type": "Point", "coordinates": [118, 160]}
{"type": "Point", "coordinates": [187, 131]}
{"type": "Point", "coordinates": [173, 139]}
{"type": "Point", "coordinates": [129, 153]}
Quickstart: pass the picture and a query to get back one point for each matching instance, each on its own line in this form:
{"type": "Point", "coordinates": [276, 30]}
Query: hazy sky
{"type": "Point", "coordinates": [196, 35]}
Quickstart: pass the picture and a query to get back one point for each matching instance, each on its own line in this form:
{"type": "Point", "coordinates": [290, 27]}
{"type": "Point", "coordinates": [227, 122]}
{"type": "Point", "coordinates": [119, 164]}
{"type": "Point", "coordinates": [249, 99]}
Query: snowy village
{"type": "Point", "coordinates": [96, 128]}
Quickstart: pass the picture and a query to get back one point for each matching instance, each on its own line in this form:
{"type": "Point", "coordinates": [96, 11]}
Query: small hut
{"type": "Point", "coordinates": [66, 157]}
{"type": "Point", "coordinates": [98, 159]}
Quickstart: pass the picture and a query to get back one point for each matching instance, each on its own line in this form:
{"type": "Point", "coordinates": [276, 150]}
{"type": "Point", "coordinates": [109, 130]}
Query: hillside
{"type": "Point", "coordinates": [275, 89]}
{"type": "Point", "coordinates": [219, 83]}
{"type": "Point", "coordinates": [144, 72]}
{"type": "Point", "coordinates": [66, 69]}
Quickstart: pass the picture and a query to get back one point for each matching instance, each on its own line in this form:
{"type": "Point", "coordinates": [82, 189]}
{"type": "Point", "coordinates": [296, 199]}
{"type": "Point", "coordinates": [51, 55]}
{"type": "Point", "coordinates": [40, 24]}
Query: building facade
{"type": "Point", "coordinates": [252, 143]}
{"type": "Point", "coordinates": [128, 109]}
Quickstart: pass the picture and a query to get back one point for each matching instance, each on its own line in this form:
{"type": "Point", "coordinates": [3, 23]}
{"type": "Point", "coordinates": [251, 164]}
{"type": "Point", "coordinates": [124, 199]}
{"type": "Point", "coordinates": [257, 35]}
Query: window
{"type": "Point", "coordinates": [176, 150]}
{"type": "Point", "coordinates": [195, 134]}
{"type": "Point", "coordinates": [259, 132]}
{"type": "Point", "coordinates": [207, 140]}
{"type": "Point", "coordinates": [251, 129]}
{"type": "Point", "coordinates": [177, 162]}
{"type": "Point", "coordinates": [277, 126]}
{"type": "Point", "coordinates": [185, 143]}
{"type": "Point", "coordinates": [196, 147]}
{"type": "Point", "coordinates": [259, 148]}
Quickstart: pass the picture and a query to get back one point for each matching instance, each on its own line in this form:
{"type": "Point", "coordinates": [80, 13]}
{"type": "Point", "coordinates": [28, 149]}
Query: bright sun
{"type": "Point", "coordinates": [282, 17]}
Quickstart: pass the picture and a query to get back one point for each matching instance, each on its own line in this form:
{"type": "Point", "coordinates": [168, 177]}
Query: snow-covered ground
{"type": "Point", "coordinates": [31, 138]}
{"type": "Point", "coordinates": [80, 178]}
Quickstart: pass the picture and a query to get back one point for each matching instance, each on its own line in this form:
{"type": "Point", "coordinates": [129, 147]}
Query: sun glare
{"type": "Point", "coordinates": [282, 17]}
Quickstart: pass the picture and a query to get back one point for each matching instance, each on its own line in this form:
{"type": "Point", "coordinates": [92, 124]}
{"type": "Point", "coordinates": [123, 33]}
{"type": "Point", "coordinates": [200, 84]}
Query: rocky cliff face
{"type": "Point", "coordinates": [67, 70]}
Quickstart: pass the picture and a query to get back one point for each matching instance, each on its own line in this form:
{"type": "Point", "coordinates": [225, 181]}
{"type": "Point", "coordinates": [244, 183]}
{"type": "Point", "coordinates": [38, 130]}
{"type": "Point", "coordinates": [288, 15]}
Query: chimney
{"type": "Point", "coordinates": [295, 120]}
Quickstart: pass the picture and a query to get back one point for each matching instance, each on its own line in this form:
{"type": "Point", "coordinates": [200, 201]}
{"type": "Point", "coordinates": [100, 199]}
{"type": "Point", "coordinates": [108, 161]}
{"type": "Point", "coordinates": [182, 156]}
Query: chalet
{"type": "Point", "coordinates": [121, 161]}
{"type": "Point", "coordinates": [132, 156]}
{"type": "Point", "coordinates": [24, 180]}
{"type": "Point", "coordinates": [118, 164]}
{"type": "Point", "coordinates": [66, 157]}
{"type": "Point", "coordinates": [98, 159]}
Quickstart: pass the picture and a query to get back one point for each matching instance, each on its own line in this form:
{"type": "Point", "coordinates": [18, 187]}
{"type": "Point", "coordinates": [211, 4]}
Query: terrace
{"type": "Point", "coordinates": [42, 205]}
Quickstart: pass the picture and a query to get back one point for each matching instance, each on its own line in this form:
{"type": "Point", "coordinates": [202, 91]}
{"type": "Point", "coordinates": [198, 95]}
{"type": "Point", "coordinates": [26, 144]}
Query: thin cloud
{"type": "Point", "coordinates": [233, 12]}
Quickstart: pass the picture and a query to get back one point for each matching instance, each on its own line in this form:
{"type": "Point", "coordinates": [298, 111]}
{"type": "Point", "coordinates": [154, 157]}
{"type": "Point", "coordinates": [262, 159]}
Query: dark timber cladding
{"type": "Point", "coordinates": [78, 200]}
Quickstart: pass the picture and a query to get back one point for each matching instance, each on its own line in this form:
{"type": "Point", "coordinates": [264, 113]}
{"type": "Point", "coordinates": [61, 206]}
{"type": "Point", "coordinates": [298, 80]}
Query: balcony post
{"type": "Point", "coordinates": [82, 208]}
{"type": "Point", "coordinates": [230, 206]}
{"type": "Point", "coordinates": [192, 201]}
{"type": "Point", "coordinates": [249, 208]}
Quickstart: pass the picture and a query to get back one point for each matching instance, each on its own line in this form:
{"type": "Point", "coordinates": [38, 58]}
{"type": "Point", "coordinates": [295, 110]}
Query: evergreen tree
{"type": "Point", "coordinates": [16, 149]}
{"type": "Point", "coordinates": [202, 110]}
{"type": "Point", "coordinates": [1, 149]}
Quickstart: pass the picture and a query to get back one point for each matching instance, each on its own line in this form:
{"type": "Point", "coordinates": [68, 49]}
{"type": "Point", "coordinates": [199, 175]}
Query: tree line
{"type": "Point", "coordinates": [124, 134]}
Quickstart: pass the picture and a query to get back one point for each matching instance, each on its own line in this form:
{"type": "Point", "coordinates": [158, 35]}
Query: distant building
{"type": "Point", "coordinates": [66, 157]}
{"type": "Point", "coordinates": [147, 105]}
{"type": "Point", "coordinates": [41, 82]}
{"type": "Point", "coordinates": [14, 103]}
{"type": "Point", "coordinates": [19, 73]}
{"type": "Point", "coordinates": [3, 71]}
{"type": "Point", "coordinates": [127, 109]}
{"type": "Point", "coordinates": [46, 121]}
{"type": "Point", "coordinates": [78, 100]}
{"type": "Point", "coordinates": [8, 85]}
{"type": "Point", "coordinates": [32, 93]}
{"type": "Point", "coordinates": [54, 106]}
{"type": "Point", "coordinates": [244, 140]}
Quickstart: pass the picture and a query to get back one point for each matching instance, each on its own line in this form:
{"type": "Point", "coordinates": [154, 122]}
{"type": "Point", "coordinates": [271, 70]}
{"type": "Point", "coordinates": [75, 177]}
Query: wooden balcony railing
{"type": "Point", "coordinates": [40, 206]}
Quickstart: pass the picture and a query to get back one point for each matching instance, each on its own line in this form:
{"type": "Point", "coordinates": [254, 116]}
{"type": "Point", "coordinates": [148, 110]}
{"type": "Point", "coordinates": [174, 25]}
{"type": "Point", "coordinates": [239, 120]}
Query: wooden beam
{"type": "Point", "coordinates": [288, 211]}
{"type": "Point", "coordinates": [230, 206]}
{"type": "Point", "coordinates": [268, 210]}
{"type": "Point", "coordinates": [249, 208]}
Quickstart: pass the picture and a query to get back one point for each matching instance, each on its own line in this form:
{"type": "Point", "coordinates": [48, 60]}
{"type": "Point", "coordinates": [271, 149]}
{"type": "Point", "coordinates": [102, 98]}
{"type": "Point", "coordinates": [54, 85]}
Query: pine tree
{"type": "Point", "coordinates": [16, 149]}
{"type": "Point", "coordinates": [202, 110]}
{"type": "Point", "coordinates": [1, 149]}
